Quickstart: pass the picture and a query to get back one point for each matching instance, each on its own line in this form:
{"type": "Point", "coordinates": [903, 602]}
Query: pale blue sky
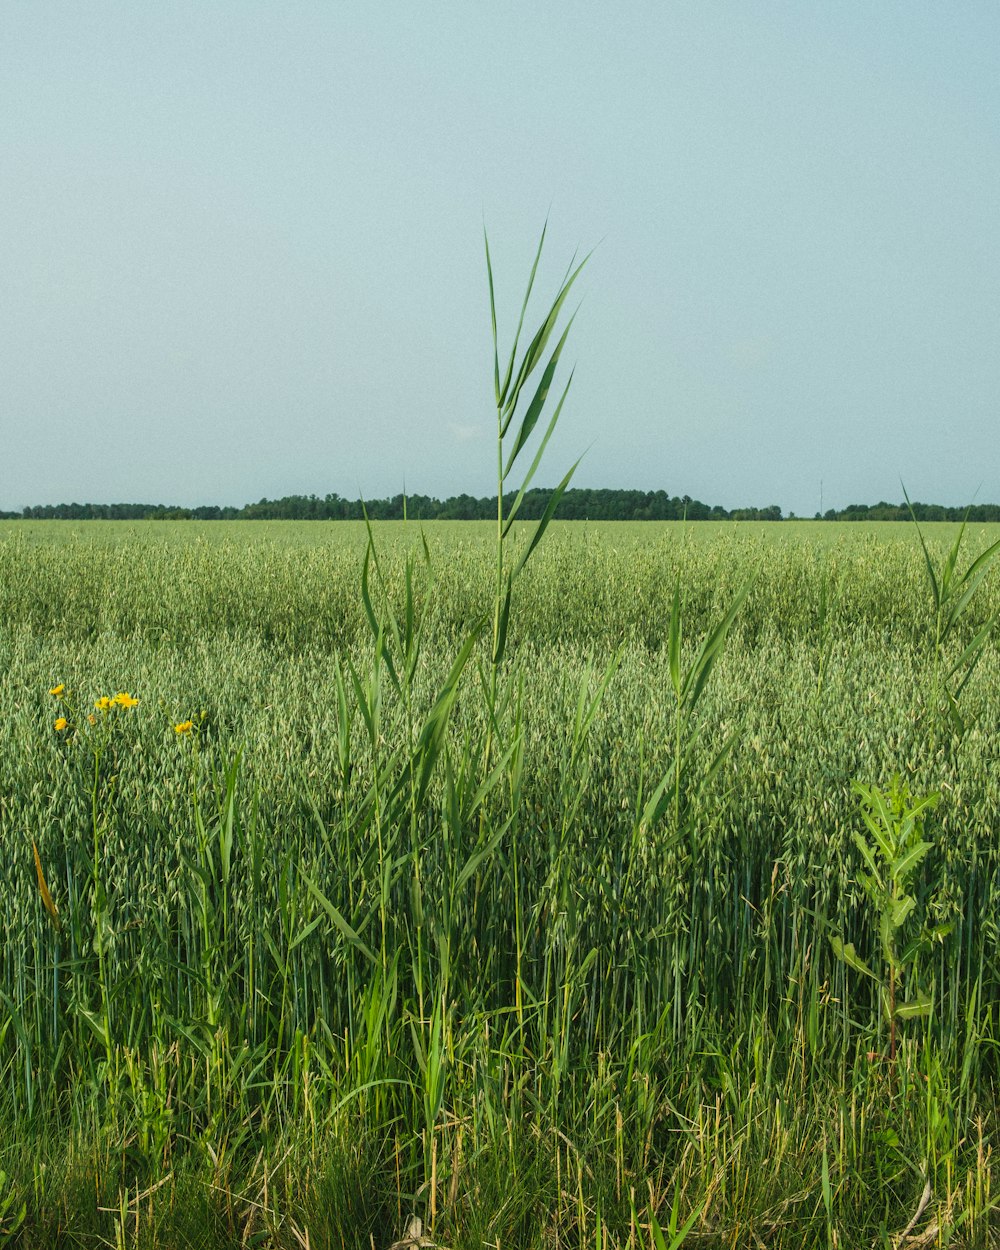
{"type": "Point", "coordinates": [241, 245]}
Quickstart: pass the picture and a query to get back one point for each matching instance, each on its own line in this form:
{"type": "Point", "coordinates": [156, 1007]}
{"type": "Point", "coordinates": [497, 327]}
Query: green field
{"type": "Point", "coordinates": [352, 948]}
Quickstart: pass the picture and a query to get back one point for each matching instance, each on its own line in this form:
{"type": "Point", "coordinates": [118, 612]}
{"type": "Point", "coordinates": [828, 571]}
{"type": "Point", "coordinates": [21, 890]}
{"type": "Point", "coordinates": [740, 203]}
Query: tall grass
{"type": "Point", "coordinates": [279, 980]}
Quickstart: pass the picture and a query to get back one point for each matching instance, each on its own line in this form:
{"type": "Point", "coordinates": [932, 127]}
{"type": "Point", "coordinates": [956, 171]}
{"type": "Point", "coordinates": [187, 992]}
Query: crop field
{"type": "Point", "coordinates": [319, 915]}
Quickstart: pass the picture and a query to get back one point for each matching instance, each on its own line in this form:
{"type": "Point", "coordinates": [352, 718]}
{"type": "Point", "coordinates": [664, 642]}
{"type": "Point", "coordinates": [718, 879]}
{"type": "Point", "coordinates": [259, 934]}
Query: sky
{"type": "Point", "coordinates": [241, 246]}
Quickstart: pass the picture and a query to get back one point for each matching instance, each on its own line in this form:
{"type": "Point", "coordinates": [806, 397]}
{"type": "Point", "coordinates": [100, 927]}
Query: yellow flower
{"type": "Point", "coordinates": [57, 690]}
{"type": "Point", "coordinates": [62, 723]}
{"type": "Point", "coordinates": [184, 727]}
{"type": "Point", "coordinates": [103, 703]}
{"type": "Point", "coordinates": [124, 699]}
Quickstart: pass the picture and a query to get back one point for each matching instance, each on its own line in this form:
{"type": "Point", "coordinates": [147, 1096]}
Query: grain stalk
{"type": "Point", "coordinates": [689, 686]}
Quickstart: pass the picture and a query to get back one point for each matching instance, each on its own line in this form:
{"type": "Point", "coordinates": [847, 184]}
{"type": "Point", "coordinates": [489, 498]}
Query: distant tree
{"type": "Point", "coordinates": [577, 504]}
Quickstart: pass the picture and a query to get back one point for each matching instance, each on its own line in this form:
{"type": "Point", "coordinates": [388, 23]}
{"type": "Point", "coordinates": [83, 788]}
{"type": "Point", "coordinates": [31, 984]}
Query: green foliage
{"type": "Point", "coordinates": [508, 392]}
{"type": "Point", "coordinates": [359, 975]}
{"type": "Point", "coordinates": [319, 940]}
{"type": "Point", "coordinates": [952, 594]}
{"type": "Point", "coordinates": [11, 1212]}
{"type": "Point", "coordinates": [578, 503]}
{"type": "Point", "coordinates": [892, 854]}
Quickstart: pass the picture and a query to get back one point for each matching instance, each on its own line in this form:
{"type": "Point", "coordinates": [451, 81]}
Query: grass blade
{"type": "Point", "coordinates": [537, 460]}
{"type": "Point", "coordinates": [537, 347]}
{"type": "Point", "coordinates": [493, 318]}
{"type": "Point", "coordinates": [550, 508]}
{"type": "Point", "coordinates": [538, 400]}
{"type": "Point", "coordinates": [502, 393]}
{"type": "Point", "coordinates": [935, 589]}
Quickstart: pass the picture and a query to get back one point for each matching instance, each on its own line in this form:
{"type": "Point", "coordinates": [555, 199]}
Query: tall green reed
{"type": "Point", "coordinates": [510, 443]}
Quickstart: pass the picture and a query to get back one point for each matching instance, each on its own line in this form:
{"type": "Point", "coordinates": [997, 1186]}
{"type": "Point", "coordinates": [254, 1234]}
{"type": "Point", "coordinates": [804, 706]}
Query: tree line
{"type": "Point", "coordinates": [577, 504]}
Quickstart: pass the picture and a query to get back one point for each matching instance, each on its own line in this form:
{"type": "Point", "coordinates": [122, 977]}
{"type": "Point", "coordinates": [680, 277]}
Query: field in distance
{"type": "Point", "coordinates": [309, 533]}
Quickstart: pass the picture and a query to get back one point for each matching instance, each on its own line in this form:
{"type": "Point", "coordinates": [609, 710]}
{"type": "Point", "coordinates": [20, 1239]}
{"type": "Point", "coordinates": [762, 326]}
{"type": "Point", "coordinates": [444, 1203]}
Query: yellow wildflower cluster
{"type": "Point", "coordinates": [104, 704]}
{"type": "Point", "coordinates": [122, 699]}
{"type": "Point", "coordinates": [107, 703]}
